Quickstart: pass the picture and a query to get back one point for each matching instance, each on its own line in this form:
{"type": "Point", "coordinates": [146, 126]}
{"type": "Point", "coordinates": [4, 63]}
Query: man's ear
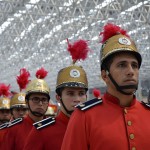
{"type": "Point", "coordinates": [58, 98]}
{"type": "Point", "coordinates": [104, 75]}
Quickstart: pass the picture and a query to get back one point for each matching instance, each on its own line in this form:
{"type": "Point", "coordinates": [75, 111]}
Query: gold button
{"type": "Point", "coordinates": [133, 148]}
{"type": "Point", "coordinates": [125, 111]}
{"type": "Point", "coordinates": [131, 136]}
{"type": "Point", "coordinates": [39, 124]}
{"type": "Point", "coordinates": [129, 123]}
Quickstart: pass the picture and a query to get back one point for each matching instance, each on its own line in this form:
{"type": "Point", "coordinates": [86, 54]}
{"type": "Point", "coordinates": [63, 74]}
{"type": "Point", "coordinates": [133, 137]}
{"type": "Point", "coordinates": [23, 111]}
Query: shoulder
{"type": "Point", "coordinates": [147, 105]}
{"type": "Point", "coordinates": [15, 122]}
{"type": "Point", "coordinates": [44, 123]}
{"type": "Point", "coordinates": [3, 126]}
{"type": "Point", "coordinates": [89, 104]}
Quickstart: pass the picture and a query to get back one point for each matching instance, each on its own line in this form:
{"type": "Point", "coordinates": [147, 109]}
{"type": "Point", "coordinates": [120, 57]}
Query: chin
{"type": "Point", "coordinates": [130, 91]}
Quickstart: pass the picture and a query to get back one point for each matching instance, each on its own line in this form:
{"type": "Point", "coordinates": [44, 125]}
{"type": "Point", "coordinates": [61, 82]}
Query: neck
{"type": "Point", "coordinates": [64, 112]}
{"type": "Point", "coordinates": [34, 118]}
{"type": "Point", "coordinates": [125, 100]}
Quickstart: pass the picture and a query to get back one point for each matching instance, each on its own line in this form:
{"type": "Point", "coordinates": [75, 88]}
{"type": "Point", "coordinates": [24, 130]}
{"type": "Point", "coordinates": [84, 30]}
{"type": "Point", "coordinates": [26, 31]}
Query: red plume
{"type": "Point", "coordinates": [41, 73]}
{"type": "Point", "coordinates": [4, 90]}
{"type": "Point", "coordinates": [96, 93]}
{"type": "Point", "coordinates": [111, 30]}
{"type": "Point", "coordinates": [78, 50]}
{"type": "Point", "coordinates": [23, 78]}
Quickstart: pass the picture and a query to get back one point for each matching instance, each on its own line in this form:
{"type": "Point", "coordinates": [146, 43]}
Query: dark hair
{"type": "Point", "coordinates": [107, 63]}
{"type": "Point", "coordinates": [59, 91]}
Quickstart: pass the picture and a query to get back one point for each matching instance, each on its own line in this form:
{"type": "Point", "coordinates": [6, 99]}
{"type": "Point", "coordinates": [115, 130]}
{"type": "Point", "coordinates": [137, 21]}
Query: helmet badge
{"type": "Point", "coordinates": [5, 101]}
{"type": "Point", "coordinates": [74, 73]}
{"type": "Point", "coordinates": [124, 41]}
{"type": "Point", "coordinates": [21, 98]}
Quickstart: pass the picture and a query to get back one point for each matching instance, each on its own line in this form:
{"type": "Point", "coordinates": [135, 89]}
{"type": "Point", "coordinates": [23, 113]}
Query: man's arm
{"type": "Point", "coordinates": [76, 135]}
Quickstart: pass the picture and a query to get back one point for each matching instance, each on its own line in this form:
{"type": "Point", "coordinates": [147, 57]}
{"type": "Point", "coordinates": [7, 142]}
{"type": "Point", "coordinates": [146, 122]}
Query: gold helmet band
{"type": "Point", "coordinates": [72, 76]}
{"type": "Point", "coordinates": [4, 103]}
{"type": "Point", "coordinates": [119, 43]}
{"type": "Point", "coordinates": [18, 100]}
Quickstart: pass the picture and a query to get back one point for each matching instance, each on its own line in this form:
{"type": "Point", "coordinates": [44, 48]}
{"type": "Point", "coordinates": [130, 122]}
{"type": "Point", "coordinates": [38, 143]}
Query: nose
{"type": "Point", "coordinates": [21, 112]}
{"type": "Point", "coordinates": [40, 102]}
{"type": "Point", "coordinates": [77, 99]}
{"type": "Point", "coordinates": [6, 113]}
{"type": "Point", "coordinates": [130, 70]}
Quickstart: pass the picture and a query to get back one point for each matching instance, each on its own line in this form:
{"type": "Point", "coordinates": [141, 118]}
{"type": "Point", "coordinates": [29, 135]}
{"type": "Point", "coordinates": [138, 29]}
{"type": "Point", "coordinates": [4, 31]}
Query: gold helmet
{"type": "Point", "coordinates": [4, 99]}
{"type": "Point", "coordinates": [18, 99]}
{"type": "Point", "coordinates": [38, 85]}
{"type": "Point", "coordinates": [4, 103]}
{"type": "Point", "coordinates": [116, 40]}
{"type": "Point", "coordinates": [73, 75]}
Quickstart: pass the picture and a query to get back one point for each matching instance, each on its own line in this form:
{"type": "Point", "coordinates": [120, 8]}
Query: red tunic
{"type": "Point", "coordinates": [2, 133]}
{"type": "Point", "coordinates": [49, 137]}
{"type": "Point", "coordinates": [109, 127]}
{"type": "Point", "coordinates": [17, 134]}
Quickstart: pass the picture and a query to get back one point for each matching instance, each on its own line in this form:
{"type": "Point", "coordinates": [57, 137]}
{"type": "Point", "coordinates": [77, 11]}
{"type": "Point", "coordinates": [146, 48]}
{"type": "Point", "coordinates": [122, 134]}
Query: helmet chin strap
{"type": "Point", "coordinates": [67, 111]}
{"type": "Point", "coordinates": [121, 88]}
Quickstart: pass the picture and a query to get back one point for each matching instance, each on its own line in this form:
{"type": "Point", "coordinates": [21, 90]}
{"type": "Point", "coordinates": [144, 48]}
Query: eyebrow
{"type": "Point", "coordinates": [124, 61]}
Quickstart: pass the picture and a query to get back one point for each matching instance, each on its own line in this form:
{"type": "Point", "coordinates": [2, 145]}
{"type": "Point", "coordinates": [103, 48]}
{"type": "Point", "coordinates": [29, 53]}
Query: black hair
{"type": "Point", "coordinates": [107, 63]}
{"type": "Point", "coordinates": [59, 91]}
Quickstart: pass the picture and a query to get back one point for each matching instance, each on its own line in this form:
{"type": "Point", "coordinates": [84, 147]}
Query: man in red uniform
{"type": "Point", "coordinates": [5, 114]}
{"type": "Point", "coordinates": [37, 99]}
{"type": "Point", "coordinates": [118, 121]}
{"type": "Point", "coordinates": [18, 106]}
{"type": "Point", "coordinates": [71, 89]}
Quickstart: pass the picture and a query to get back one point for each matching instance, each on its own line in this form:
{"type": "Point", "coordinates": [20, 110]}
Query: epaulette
{"type": "Point", "coordinates": [89, 104]}
{"type": "Point", "coordinates": [16, 121]}
{"type": "Point", "coordinates": [4, 125]}
{"type": "Point", "coordinates": [146, 104]}
{"type": "Point", "coordinates": [44, 123]}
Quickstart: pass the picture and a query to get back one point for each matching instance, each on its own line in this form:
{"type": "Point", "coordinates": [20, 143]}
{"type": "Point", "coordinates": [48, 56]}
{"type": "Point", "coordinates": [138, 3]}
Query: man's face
{"type": "Point", "coordinates": [38, 102]}
{"type": "Point", "coordinates": [19, 112]}
{"type": "Point", "coordinates": [73, 96]}
{"type": "Point", "coordinates": [5, 115]}
{"type": "Point", "coordinates": [125, 71]}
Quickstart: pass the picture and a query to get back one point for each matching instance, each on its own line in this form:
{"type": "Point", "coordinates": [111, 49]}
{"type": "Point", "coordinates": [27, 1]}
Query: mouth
{"type": "Point", "coordinates": [130, 81]}
{"type": "Point", "coordinates": [39, 109]}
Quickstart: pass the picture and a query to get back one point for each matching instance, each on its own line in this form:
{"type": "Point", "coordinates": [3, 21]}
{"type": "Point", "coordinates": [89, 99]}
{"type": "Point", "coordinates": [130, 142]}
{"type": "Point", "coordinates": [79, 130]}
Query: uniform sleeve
{"type": "Point", "coordinates": [76, 137]}
{"type": "Point", "coordinates": [9, 140]}
{"type": "Point", "coordinates": [34, 140]}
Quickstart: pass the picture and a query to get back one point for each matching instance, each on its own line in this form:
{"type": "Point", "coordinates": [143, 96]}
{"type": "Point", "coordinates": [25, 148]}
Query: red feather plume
{"type": "Point", "coordinates": [23, 78]}
{"type": "Point", "coordinates": [78, 50]}
{"type": "Point", "coordinates": [4, 90]}
{"type": "Point", "coordinates": [96, 93]}
{"type": "Point", "coordinates": [41, 73]}
{"type": "Point", "coordinates": [111, 30]}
